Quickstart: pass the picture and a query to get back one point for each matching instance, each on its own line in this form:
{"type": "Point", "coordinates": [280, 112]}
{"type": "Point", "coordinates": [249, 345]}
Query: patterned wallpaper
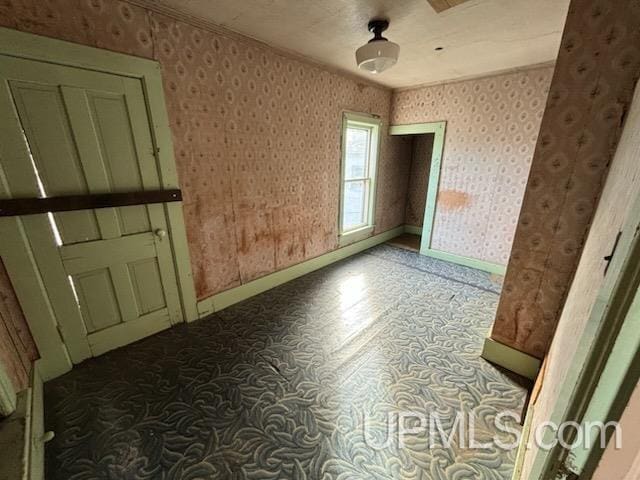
{"type": "Point", "coordinates": [492, 126]}
{"type": "Point", "coordinates": [597, 69]}
{"type": "Point", "coordinates": [17, 349]}
{"type": "Point", "coordinates": [261, 186]}
{"type": "Point", "coordinates": [256, 135]}
{"type": "Point", "coordinates": [418, 179]}
{"type": "Point", "coordinates": [394, 167]}
{"type": "Point", "coordinates": [620, 191]}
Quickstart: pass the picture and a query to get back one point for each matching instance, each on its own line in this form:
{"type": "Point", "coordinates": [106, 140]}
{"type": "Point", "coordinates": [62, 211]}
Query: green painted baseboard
{"type": "Point", "coordinates": [466, 261]}
{"type": "Point", "coordinates": [22, 434]}
{"type": "Point", "coordinates": [412, 229]}
{"type": "Point", "coordinates": [511, 359]}
{"type": "Point", "coordinates": [37, 434]}
{"type": "Point", "coordinates": [227, 298]}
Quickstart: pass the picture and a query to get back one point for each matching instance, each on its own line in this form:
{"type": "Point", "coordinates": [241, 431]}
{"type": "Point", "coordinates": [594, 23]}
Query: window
{"type": "Point", "coordinates": [359, 156]}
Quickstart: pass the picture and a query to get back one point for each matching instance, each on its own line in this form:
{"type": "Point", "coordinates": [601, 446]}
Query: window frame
{"type": "Point", "coordinates": [373, 124]}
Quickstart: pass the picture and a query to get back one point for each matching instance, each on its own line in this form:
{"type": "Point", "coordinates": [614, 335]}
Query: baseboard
{"type": "Point", "coordinates": [466, 261]}
{"type": "Point", "coordinates": [37, 435]}
{"type": "Point", "coordinates": [413, 230]}
{"type": "Point", "coordinates": [511, 359]}
{"type": "Point", "coordinates": [232, 296]}
{"type": "Point", "coordinates": [22, 435]}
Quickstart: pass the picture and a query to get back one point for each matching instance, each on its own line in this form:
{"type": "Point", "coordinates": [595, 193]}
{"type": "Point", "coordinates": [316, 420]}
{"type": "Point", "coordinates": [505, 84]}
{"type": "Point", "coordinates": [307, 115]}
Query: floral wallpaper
{"type": "Point", "coordinates": [597, 70]}
{"type": "Point", "coordinates": [492, 126]}
{"type": "Point", "coordinates": [256, 135]}
{"type": "Point", "coordinates": [17, 349]}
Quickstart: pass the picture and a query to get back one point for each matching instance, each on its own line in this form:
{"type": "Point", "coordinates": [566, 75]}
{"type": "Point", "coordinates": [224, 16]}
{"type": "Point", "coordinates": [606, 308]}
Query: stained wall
{"type": "Point", "coordinates": [256, 135]}
{"type": "Point", "coordinates": [17, 349]}
{"type": "Point", "coordinates": [492, 127]}
{"type": "Point", "coordinates": [596, 72]}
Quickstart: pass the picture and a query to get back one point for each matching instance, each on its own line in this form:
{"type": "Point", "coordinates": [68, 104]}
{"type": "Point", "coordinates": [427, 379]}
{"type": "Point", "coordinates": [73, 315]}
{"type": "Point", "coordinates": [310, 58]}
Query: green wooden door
{"type": "Point", "coordinates": [109, 273]}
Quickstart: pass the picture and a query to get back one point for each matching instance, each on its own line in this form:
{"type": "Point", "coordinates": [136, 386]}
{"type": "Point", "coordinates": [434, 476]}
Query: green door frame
{"type": "Point", "coordinates": [15, 249]}
{"type": "Point", "coordinates": [438, 129]}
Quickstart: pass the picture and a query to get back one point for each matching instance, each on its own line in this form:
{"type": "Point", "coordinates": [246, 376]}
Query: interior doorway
{"type": "Point", "coordinates": [429, 142]}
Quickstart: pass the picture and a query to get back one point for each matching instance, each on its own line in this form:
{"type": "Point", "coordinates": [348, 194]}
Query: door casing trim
{"type": "Point", "coordinates": [16, 250]}
{"type": "Point", "coordinates": [438, 129]}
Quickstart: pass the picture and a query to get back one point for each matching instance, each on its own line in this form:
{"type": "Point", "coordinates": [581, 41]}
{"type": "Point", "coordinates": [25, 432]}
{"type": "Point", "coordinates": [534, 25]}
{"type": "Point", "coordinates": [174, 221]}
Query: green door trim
{"type": "Point", "coordinates": [23, 271]}
{"type": "Point", "coordinates": [15, 249]}
{"type": "Point", "coordinates": [439, 129]}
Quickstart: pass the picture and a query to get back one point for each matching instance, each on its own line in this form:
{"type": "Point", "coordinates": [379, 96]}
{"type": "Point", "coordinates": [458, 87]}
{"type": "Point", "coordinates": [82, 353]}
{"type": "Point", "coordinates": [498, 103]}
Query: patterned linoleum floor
{"type": "Point", "coordinates": [281, 386]}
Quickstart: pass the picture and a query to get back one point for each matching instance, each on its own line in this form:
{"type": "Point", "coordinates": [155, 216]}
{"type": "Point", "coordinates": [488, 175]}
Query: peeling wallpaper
{"type": "Point", "coordinates": [418, 179]}
{"type": "Point", "coordinates": [256, 135]}
{"type": "Point", "coordinates": [597, 69]}
{"type": "Point", "coordinates": [492, 127]}
{"type": "Point", "coordinates": [17, 349]}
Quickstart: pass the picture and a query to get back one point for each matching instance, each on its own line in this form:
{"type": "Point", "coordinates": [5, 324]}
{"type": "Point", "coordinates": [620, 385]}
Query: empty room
{"type": "Point", "coordinates": [320, 240]}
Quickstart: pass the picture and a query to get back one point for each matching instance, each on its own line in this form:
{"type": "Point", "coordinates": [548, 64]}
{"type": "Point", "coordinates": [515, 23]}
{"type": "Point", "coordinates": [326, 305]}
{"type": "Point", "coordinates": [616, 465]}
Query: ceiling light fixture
{"type": "Point", "coordinates": [379, 54]}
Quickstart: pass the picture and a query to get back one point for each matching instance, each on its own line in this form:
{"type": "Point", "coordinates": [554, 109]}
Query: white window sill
{"type": "Point", "coordinates": [355, 235]}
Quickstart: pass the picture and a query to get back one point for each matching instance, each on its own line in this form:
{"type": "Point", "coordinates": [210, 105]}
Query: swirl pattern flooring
{"type": "Point", "coordinates": [281, 386]}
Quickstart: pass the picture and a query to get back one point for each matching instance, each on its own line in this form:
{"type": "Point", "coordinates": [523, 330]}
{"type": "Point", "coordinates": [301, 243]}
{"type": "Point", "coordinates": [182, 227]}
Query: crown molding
{"type": "Point", "coordinates": [496, 73]}
{"type": "Point", "coordinates": [207, 25]}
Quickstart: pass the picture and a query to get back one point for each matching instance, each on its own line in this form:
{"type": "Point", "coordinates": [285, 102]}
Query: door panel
{"type": "Point", "coordinates": [147, 285]}
{"type": "Point", "coordinates": [112, 277]}
{"type": "Point", "coordinates": [110, 117]}
{"type": "Point", "coordinates": [43, 118]}
{"type": "Point", "coordinates": [97, 299]}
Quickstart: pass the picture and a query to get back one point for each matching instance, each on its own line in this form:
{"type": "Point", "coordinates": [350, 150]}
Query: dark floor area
{"type": "Point", "coordinates": [280, 386]}
{"type": "Point", "coordinates": [407, 241]}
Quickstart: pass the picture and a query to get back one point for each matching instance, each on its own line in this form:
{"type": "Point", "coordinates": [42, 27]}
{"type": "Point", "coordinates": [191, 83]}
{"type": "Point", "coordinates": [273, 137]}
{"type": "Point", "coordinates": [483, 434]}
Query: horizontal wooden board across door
{"type": "Point", "coordinates": [109, 272]}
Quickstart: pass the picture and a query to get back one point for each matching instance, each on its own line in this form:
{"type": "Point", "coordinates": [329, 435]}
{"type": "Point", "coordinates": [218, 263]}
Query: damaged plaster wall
{"type": "Point", "coordinates": [492, 127]}
{"type": "Point", "coordinates": [17, 349]}
{"type": "Point", "coordinates": [256, 135]}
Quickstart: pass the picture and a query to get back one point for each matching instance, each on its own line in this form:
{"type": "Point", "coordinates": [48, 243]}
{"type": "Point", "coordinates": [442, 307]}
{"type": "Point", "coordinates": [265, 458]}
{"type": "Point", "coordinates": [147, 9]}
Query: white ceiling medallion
{"type": "Point", "coordinates": [379, 54]}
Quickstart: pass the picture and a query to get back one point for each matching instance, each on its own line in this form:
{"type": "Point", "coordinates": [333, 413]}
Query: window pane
{"type": "Point", "coordinates": [353, 210]}
{"type": "Point", "coordinates": [357, 152]}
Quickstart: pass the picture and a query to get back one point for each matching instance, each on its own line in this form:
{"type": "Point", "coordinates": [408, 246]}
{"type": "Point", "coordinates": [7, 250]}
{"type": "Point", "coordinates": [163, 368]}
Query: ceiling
{"type": "Point", "coordinates": [477, 37]}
